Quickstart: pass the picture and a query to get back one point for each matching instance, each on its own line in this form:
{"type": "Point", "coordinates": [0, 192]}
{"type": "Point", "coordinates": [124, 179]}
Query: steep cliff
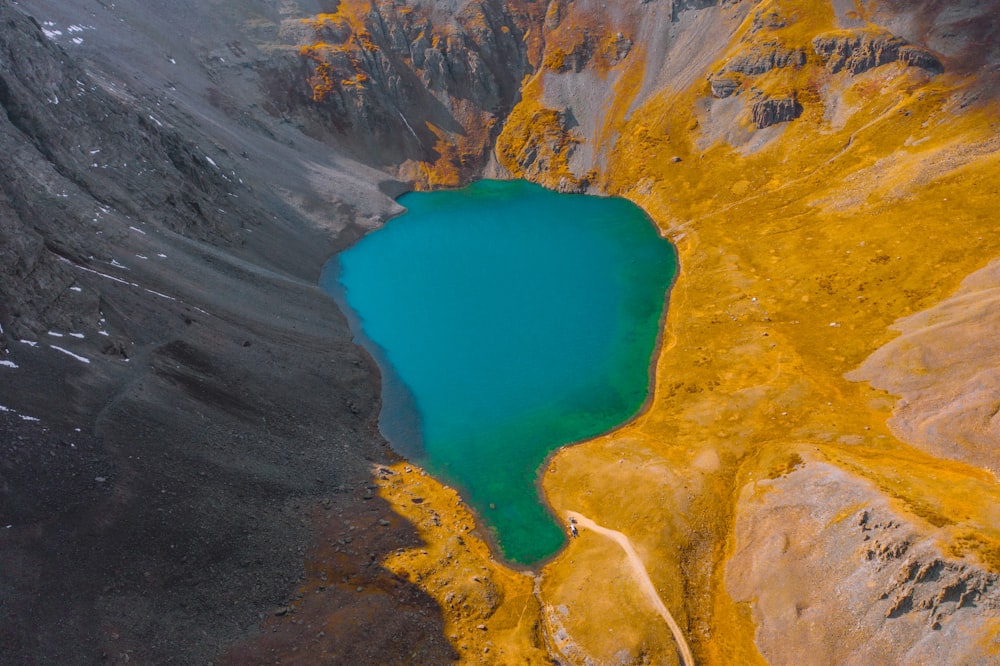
{"type": "Point", "coordinates": [421, 88]}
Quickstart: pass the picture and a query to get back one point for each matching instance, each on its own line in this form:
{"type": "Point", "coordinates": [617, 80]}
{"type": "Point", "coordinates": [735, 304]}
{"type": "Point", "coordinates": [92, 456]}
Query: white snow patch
{"type": "Point", "coordinates": [78, 336]}
{"type": "Point", "coordinates": [30, 343]}
{"type": "Point", "coordinates": [408, 126]}
{"type": "Point", "coordinates": [104, 275]}
{"type": "Point", "coordinates": [76, 289]}
{"type": "Point", "coordinates": [114, 262]}
{"type": "Point", "coordinates": [9, 364]}
{"type": "Point", "coordinates": [138, 229]}
{"type": "Point", "coordinates": [82, 359]}
{"type": "Point", "coordinates": [104, 333]}
{"type": "Point", "coordinates": [4, 409]}
{"type": "Point", "coordinates": [161, 255]}
{"type": "Point", "coordinates": [77, 41]}
{"type": "Point", "coordinates": [25, 417]}
{"type": "Point", "coordinates": [172, 61]}
{"type": "Point", "coordinates": [56, 335]}
{"type": "Point", "coordinates": [95, 151]}
{"type": "Point", "coordinates": [156, 293]}
{"type": "Point", "coordinates": [211, 161]}
{"type": "Point", "coordinates": [142, 256]}
{"type": "Point", "coordinates": [156, 121]}
{"type": "Point", "coordinates": [52, 34]}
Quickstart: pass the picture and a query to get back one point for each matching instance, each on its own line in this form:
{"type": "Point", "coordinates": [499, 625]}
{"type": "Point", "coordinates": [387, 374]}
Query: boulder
{"type": "Point", "coordinates": [773, 110]}
{"type": "Point", "coordinates": [858, 51]}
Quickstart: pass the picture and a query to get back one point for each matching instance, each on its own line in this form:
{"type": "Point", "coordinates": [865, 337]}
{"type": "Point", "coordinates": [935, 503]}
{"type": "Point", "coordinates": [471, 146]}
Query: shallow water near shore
{"type": "Point", "coordinates": [508, 320]}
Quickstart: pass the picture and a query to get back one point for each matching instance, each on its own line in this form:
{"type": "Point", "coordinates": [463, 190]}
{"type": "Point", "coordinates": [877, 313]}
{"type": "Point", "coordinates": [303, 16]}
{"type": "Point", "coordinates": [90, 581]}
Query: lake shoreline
{"type": "Point", "coordinates": [332, 274]}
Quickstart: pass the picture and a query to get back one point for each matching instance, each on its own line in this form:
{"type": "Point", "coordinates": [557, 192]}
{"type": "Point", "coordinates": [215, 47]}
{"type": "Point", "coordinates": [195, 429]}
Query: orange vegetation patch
{"type": "Point", "coordinates": [536, 144]}
{"type": "Point", "coordinates": [491, 613]}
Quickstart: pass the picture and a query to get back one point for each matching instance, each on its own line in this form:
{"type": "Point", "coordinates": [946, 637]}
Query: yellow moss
{"type": "Point", "coordinates": [554, 59]}
{"type": "Point", "coordinates": [799, 242]}
{"type": "Point", "coordinates": [491, 614]}
{"type": "Point", "coordinates": [787, 464]}
{"type": "Point", "coordinates": [795, 257]}
{"type": "Point", "coordinates": [535, 144]}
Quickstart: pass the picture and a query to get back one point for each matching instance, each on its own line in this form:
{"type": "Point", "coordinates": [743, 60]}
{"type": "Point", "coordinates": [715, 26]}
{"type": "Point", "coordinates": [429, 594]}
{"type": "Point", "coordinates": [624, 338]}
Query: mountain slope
{"type": "Point", "coordinates": [829, 173]}
{"type": "Point", "coordinates": [181, 405]}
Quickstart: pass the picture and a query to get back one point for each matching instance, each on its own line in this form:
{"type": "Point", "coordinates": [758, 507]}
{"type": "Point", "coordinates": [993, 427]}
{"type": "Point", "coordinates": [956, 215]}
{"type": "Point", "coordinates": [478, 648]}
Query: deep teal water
{"type": "Point", "coordinates": [508, 320]}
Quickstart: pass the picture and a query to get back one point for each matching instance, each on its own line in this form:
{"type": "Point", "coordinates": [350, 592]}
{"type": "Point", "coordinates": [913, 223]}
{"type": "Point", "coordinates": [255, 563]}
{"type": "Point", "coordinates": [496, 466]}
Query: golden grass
{"type": "Point", "coordinates": [795, 258]}
{"type": "Point", "coordinates": [491, 613]}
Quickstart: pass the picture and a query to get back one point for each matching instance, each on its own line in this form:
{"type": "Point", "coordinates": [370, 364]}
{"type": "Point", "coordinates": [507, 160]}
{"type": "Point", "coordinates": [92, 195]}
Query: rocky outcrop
{"type": "Point", "coordinates": [677, 7]}
{"type": "Point", "coordinates": [603, 51]}
{"type": "Point", "coordinates": [400, 82]}
{"type": "Point", "coordinates": [538, 142]}
{"type": "Point", "coordinates": [858, 51]}
{"type": "Point", "coordinates": [773, 110]}
{"type": "Point", "coordinates": [765, 57]}
{"type": "Point", "coordinates": [724, 86]}
{"type": "Point", "coordinates": [813, 569]}
{"type": "Point", "coordinates": [922, 581]}
{"type": "Point", "coordinates": [753, 61]}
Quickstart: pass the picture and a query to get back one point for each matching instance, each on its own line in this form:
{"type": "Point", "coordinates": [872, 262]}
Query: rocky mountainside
{"type": "Point", "coordinates": [179, 402]}
{"type": "Point", "coordinates": [190, 467]}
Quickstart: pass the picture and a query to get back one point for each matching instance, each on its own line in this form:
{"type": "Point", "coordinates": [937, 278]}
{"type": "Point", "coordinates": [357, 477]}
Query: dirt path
{"type": "Point", "coordinates": [642, 577]}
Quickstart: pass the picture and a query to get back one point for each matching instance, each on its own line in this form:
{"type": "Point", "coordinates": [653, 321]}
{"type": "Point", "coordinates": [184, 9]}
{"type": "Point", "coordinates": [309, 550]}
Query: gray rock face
{"type": "Point", "coordinates": [582, 53]}
{"type": "Point", "coordinates": [754, 61]}
{"type": "Point", "coordinates": [176, 394]}
{"type": "Point", "coordinates": [773, 110]}
{"type": "Point", "coordinates": [77, 156]}
{"type": "Point", "coordinates": [858, 51]}
{"type": "Point", "coordinates": [724, 86]}
{"type": "Point", "coordinates": [380, 88]}
{"type": "Point", "coordinates": [760, 60]}
{"type": "Point", "coordinates": [680, 6]}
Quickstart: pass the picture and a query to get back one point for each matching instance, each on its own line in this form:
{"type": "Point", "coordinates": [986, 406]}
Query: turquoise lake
{"type": "Point", "coordinates": [507, 320]}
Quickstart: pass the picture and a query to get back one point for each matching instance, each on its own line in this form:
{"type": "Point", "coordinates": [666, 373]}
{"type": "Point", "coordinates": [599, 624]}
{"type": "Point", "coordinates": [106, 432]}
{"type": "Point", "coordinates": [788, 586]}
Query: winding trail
{"type": "Point", "coordinates": [642, 576]}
